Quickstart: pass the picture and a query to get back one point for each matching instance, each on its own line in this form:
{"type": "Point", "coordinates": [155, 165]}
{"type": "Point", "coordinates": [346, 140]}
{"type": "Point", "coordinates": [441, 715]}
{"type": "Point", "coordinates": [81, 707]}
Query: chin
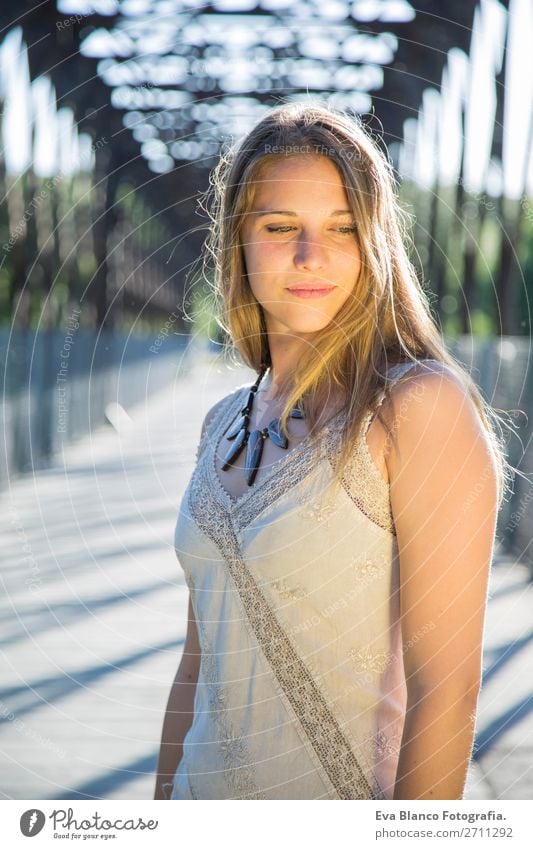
{"type": "Point", "coordinates": [311, 327]}
{"type": "Point", "coordinates": [310, 323]}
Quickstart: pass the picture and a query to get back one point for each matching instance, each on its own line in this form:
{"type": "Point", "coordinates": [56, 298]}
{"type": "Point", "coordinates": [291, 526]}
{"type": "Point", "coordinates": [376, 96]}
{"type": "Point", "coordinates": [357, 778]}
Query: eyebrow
{"type": "Point", "coordinates": [262, 212]}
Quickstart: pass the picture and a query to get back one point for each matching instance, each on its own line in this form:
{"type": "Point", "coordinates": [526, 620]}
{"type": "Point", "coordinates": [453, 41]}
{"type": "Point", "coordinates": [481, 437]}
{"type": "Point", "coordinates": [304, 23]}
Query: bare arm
{"type": "Point", "coordinates": [444, 503]}
{"type": "Point", "coordinates": [179, 711]}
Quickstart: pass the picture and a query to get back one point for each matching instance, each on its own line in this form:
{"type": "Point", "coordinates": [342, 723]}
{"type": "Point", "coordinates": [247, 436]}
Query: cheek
{"type": "Point", "coordinates": [353, 264]}
{"type": "Point", "coordinates": [259, 257]}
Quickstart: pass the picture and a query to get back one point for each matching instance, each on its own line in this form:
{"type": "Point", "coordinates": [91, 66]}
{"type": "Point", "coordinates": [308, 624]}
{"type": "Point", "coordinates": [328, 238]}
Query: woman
{"type": "Point", "coordinates": [338, 530]}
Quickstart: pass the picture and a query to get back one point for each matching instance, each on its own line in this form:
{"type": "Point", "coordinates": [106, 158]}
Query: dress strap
{"type": "Point", "coordinates": [394, 374]}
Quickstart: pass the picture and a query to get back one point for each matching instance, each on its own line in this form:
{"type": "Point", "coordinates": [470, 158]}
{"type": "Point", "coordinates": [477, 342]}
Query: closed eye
{"type": "Point", "coordinates": [285, 228]}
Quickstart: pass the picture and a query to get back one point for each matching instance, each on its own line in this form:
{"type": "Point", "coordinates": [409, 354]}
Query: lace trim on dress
{"type": "Point", "coordinates": [361, 479]}
{"type": "Point", "coordinates": [205, 434]}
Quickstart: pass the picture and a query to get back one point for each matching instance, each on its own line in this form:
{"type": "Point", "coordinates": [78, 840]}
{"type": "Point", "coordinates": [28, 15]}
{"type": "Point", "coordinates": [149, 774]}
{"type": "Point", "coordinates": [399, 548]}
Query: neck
{"type": "Point", "coordinates": [278, 382]}
{"type": "Point", "coordinates": [285, 352]}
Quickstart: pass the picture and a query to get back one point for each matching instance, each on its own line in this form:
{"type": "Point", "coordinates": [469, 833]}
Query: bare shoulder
{"type": "Point", "coordinates": [403, 397]}
{"type": "Point", "coordinates": [427, 389]}
{"type": "Point", "coordinates": [431, 413]}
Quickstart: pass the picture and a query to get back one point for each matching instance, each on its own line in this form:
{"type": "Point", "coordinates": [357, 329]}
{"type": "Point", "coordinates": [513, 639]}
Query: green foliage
{"type": "Point", "coordinates": [476, 228]}
{"type": "Point", "coordinates": [481, 323]}
{"type": "Point", "coordinates": [202, 310]}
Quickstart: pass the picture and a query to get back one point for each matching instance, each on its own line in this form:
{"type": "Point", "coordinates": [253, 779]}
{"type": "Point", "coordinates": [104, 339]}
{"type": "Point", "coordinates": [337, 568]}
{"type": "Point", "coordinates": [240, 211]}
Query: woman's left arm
{"type": "Point", "coordinates": [444, 499]}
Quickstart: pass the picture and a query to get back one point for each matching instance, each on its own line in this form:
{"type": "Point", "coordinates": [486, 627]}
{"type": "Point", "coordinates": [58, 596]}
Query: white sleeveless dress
{"type": "Point", "coordinates": [301, 691]}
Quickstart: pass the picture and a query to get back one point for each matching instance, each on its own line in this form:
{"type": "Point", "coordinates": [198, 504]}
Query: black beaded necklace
{"type": "Point", "coordinates": [253, 440]}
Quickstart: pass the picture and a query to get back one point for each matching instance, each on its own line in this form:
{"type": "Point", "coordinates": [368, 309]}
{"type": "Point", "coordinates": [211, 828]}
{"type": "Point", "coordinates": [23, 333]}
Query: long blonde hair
{"type": "Point", "coordinates": [388, 319]}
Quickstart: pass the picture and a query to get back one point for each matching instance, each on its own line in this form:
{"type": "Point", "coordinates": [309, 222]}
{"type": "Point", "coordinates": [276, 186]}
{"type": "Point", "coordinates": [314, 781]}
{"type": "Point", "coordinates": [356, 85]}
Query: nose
{"type": "Point", "coordinates": [310, 253]}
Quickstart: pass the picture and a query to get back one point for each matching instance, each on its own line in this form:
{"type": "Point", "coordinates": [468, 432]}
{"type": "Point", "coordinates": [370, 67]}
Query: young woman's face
{"type": "Point", "coordinates": [300, 247]}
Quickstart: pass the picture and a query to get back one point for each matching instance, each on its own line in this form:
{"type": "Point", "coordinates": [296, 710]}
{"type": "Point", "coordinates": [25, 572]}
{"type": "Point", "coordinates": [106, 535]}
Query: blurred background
{"type": "Point", "coordinates": [112, 115]}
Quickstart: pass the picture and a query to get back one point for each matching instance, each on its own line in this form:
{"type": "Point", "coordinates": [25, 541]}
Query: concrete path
{"type": "Point", "coordinates": [94, 607]}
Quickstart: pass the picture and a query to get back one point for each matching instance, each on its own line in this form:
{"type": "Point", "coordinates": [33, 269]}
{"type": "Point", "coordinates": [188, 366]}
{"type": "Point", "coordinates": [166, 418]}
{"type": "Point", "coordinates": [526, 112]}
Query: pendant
{"type": "Point", "coordinates": [242, 422]}
{"type": "Point", "coordinates": [235, 449]}
{"type": "Point", "coordinates": [276, 435]}
{"type": "Point", "coordinates": [254, 451]}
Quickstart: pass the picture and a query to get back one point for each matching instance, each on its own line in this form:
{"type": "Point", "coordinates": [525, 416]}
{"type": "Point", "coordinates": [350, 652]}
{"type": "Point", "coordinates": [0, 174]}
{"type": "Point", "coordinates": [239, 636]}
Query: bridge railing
{"type": "Point", "coordinates": [57, 386]}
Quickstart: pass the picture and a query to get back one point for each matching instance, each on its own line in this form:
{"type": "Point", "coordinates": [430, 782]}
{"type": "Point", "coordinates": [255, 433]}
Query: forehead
{"type": "Point", "coordinates": [310, 167]}
{"type": "Point", "coordinates": [297, 176]}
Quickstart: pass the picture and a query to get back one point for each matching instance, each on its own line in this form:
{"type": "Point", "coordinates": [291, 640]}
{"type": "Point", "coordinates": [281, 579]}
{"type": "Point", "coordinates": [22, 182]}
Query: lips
{"type": "Point", "coordinates": [308, 287]}
{"type": "Point", "coordinates": [310, 291]}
